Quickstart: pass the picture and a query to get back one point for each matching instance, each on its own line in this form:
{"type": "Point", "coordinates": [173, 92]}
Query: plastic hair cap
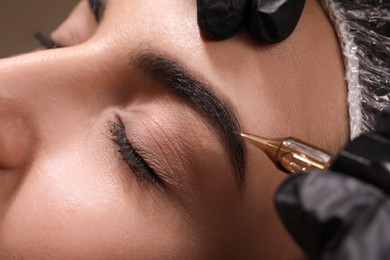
{"type": "Point", "coordinates": [363, 29]}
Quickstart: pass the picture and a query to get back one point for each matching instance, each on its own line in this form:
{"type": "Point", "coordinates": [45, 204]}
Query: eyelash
{"type": "Point", "coordinates": [46, 41]}
{"type": "Point", "coordinates": [130, 156]}
{"type": "Point", "coordinates": [97, 7]}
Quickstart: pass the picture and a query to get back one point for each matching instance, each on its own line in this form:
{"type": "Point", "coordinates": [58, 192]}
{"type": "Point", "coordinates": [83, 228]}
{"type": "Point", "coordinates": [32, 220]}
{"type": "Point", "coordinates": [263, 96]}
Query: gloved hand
{"type": "Point", "coordinates": [343, 215]}
{"type": "Point", "coordinates": [334, 216]}
{"type": "Point", "coordinates": [270, 21]}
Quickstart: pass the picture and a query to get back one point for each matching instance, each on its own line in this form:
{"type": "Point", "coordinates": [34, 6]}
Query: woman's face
{"type": "Point", "coordinates": [121, 143]}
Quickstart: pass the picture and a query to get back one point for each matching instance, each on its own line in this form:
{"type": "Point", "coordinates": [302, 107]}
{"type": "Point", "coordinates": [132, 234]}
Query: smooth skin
{"type": "Point", "coordinates": [65, 192]}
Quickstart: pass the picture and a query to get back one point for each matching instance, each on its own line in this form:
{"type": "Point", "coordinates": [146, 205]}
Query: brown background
{"type": "Point", "coordinates": [20, 19]}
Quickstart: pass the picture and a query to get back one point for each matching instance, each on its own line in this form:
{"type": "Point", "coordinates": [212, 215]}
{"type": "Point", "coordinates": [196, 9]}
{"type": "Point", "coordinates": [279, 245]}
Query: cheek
{"type": "Point", "coordinates": [75, 205]}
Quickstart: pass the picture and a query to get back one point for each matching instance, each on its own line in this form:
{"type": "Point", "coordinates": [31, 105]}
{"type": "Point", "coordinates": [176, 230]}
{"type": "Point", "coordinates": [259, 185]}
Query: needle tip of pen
{"type": "Point", "coordinates": [260, 142]}
{"type": "Point", "coordinates": [248, 136]}
{"type": "Point", "coordinates": [238, 133]}
{"type": "Point", "coordinates": [245, 136]}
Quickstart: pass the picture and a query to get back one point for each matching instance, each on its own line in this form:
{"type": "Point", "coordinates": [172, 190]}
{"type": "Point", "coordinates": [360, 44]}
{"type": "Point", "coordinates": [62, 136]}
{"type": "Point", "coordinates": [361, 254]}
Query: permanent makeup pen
{"type": "Point", "coordinates": [291, 155]}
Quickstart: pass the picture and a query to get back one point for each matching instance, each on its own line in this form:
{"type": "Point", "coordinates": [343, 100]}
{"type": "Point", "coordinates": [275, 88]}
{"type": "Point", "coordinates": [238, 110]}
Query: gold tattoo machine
{"type": "Point", "coordinates": [291, 155]}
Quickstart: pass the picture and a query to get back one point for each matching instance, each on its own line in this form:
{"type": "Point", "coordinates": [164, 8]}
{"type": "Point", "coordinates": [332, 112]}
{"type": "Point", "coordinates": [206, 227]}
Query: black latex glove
{"type": "Point", "coordinates": [343, 216]}
{"type": "Point", "coordinates": [270, 21]}
{"type": "Point", "coordinates": [334, 216]}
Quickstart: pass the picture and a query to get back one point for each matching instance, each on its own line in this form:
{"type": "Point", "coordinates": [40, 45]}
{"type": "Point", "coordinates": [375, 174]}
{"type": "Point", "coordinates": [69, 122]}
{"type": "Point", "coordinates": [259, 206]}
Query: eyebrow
{"type": "Point", "coordinates": [201, 98]}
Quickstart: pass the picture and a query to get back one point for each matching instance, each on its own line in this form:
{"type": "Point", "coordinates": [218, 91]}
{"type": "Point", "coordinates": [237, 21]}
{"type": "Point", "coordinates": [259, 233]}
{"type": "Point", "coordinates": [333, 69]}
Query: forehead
{"type": "Point", "coordinates": [157, 18]}
{"type": "Point", "coordinates": [258, 79]}
{"type": "Point", "coordinates": [170, 27]}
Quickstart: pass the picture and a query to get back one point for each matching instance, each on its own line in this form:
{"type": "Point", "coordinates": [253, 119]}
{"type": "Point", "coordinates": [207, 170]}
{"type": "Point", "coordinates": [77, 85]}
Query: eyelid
{"type": "Point", "coordinates": [78, 27]}
{"type": "Point", "coordinates": [131, 156]}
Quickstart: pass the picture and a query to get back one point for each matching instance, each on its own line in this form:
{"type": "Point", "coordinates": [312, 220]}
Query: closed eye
{"type": "Point", "coordinates": [130, 156]}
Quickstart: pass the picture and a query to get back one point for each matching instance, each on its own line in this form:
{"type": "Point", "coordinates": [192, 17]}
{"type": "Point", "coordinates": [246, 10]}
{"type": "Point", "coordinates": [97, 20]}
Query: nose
{"type": "Point", "coordinates": [14, 136]}
{"type": "Point", "coordinates": [44, 96]}
{"type": "Point", "coordinates": [48, 99]}
{"type": "Point", "coordinates": [15, 144]}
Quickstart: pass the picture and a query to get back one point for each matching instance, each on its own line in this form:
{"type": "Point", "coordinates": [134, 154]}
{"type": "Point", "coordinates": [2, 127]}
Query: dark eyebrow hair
{"type": "Point", "coordinates": [200, 96]}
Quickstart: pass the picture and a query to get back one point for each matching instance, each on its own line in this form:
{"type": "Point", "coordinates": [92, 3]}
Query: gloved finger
{"type": "Point", "coordinates": [383, 122]}
{"type": "Point", "coordinates": [368, 238]}
{"type": "Point", "coordinates": [220, 19]}
{"type": "Point", "coordinates": [320, 208]}
{"type": "Point", "coordinates": [272, 21]}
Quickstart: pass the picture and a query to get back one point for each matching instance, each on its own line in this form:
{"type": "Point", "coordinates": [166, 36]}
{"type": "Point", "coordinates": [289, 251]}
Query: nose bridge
{"type": "Point", "coordinates": [48, 100]}
{"type": "Point", "coordinates": [55, 71]}
{"type": "Point", "coordinates": [45, 94]}
{"type": "Point", "coordinates": [54, 81]}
